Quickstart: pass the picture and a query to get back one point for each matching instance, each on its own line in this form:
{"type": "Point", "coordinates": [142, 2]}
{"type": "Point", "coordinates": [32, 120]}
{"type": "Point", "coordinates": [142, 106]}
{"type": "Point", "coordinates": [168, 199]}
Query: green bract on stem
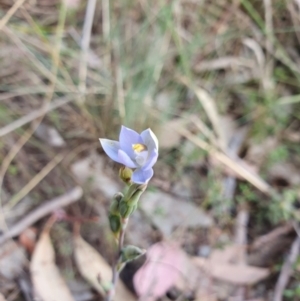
{"type": "Point", "coordinates": [130, 201]}
{"type": "Point", "coordinates": [114, 215]}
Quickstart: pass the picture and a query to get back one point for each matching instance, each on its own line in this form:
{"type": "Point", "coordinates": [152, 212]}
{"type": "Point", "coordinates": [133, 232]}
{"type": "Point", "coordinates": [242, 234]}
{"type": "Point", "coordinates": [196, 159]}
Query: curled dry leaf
{"type": "Point", "coordinates": [93, 268]}
{"type": "Point", "coordinates": [265, 249]}
{"type": "Point", "coordinates": [160, 272]}
{"type": "Point", "coordinates": [238, 274]}
{"type": "Point", "coordinates": [276, 234]}
{"type": "Point", "coordinates": [227, 62]}
{"type": "Point", "coordinates": [47, 280]}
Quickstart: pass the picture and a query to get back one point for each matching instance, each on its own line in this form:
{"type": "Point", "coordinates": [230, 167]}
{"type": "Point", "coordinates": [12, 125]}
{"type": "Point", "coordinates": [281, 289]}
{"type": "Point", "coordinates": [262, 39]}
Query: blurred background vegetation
{"type": "Point", "coordinates": [217, 81]}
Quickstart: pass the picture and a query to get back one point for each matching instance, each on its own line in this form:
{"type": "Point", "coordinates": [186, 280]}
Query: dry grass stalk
{"type": "Point", "coordinates": [267, 79]}
{"type": "Point", "coordinates": [85, 45]}
{"type": "Point", "coordinates": [10, 13]}
{"type": "Point", "coordinates": [34, 115]}
{"type": "Point", "coordinates": [33, 182]}
{"type": "Point", "coordinates": [209, 105]}
{"type": "Point", "coordinates": [255, 180]}
{"type": "Point", "coordinates": [54, 70]}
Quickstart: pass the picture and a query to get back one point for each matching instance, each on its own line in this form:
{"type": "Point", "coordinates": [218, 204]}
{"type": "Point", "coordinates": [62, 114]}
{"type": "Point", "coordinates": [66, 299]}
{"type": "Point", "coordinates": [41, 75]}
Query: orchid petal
{"type": "Point", "coordinates": [151, 159]}
{"type": "Point", "coordinates": [149, 139]}
{"type": "Point", "coordinates": [127, 138]}
{"type": "Point", "coordinates": [141, 176]}
{"type": "Point", "coordinates": [141, 158]}
{"type": "Point", "coordinates": [125, 159]}
{"type": "Point", "coordinates": [111, 148]}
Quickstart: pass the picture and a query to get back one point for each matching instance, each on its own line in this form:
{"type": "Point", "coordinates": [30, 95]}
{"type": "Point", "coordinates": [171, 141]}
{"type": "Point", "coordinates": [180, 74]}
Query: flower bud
{"type": "Point", "coordinates": [125, 174]}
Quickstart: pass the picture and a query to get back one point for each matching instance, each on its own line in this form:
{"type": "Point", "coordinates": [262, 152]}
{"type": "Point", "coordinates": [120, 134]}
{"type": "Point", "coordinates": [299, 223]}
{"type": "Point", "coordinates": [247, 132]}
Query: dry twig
{"type": "Point", "coordinates": [241, 241]}
{"type": "Point", "coordinates": [286, 270]}
{"type": "Point", "coordinates": [43, 210]}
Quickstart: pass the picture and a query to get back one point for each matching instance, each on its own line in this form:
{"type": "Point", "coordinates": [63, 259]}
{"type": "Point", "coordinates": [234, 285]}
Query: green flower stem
{"type": "Point", "coordinates": [122, 207]}
{"type": "Point", "coordinates": [116, 272]}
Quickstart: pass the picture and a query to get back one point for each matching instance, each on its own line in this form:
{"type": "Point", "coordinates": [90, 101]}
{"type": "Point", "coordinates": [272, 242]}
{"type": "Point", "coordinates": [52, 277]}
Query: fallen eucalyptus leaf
{"type": "Point", "coordinates": [94, 268]}
{"type": "Point", "coordinates": [47, 280]}
{"type": "Point", "coordinates": [160, 272]}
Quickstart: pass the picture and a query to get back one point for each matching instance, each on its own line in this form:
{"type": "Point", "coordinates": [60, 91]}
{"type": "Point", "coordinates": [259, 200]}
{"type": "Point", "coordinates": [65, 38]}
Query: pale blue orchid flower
{"type": "Point", "coordinates": [139, 151]}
